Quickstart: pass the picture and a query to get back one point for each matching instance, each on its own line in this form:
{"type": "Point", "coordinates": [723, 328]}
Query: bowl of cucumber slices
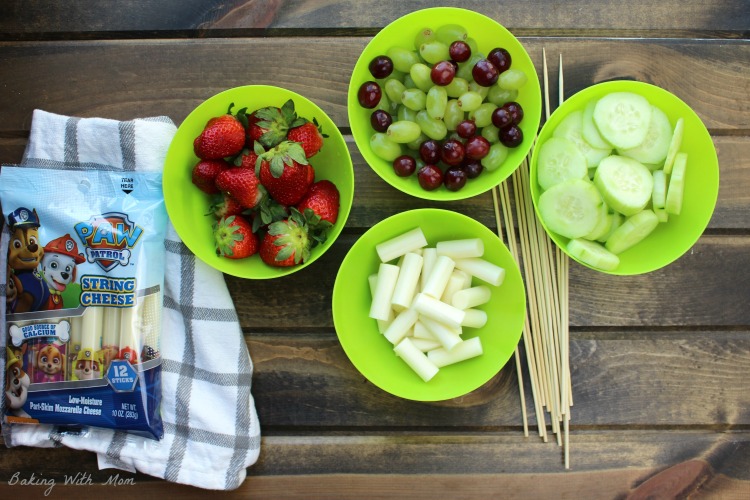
{"type": "Point", "coordinates": [624, 177]}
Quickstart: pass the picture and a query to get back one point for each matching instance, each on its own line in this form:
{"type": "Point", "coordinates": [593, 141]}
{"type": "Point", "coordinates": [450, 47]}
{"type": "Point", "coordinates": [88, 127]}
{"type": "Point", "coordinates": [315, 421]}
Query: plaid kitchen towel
{"type": "Point", "coordinates": [211, 429]}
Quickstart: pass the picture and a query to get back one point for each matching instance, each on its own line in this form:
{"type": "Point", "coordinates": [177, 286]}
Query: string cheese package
{"type": "Point", "coordinates": [84, 290]}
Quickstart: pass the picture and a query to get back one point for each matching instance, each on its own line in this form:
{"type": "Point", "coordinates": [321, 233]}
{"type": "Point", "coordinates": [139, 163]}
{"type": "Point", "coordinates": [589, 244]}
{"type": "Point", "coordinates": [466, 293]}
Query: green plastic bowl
{"type": "Point", "coordinates": [187, 206]}
{"type": "Point", "coordinates": [372, 354]}
{"type": "Point", "coordinates": [670, 240]}
{"type": "Point", "coordinates": [488, 34]}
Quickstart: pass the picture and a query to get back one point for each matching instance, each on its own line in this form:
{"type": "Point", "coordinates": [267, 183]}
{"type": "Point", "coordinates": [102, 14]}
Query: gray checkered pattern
{"type": "Point", "coordinates": [192, 435]}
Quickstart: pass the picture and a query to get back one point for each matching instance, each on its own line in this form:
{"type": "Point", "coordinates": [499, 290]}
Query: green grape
{"type": "Point", "coordinates": [499, 96]}
{"type": "Point", "coordinates": [512, 79]}
{"type": "Point", "coordinates": [408, 82]}
{"type": "Point", "coordinates": [432, 128]}
{"type": "Point", "coordinates": [469, 101]}
{"type": "Point", "coordinates": [457, 87]}
{"type": "Point", "coordinates": [482, 116]}
{"type": "Point", "coordinates": [434, 52]}
{"type": "Point", "coordinates": [393, 89]}
{"type": "Point", "coordinates": [491, 133]}
{"type": "Point", "coordinates": [483, 91]}
{"type": "Point", "coordinates": [420, 74]}
{"type": "Point", "coordinates": [423, 36]}
{"type": "Point", "coordinates": [464, 68]}
{"type": "Point", "coordinates": [414, 99]}
{"type": "Point", "coordinates": [437, 100]}
{"type": "Point", "coordinates": [496, 156]}
{"type": "Point", "coordinates": [453, 114]}
{"type": "Point", "coordinates": [404, 113]}
{"type": "Point", "coordinates": [384, 103]}
{"type": "Point", "coordinates": [403, 131]}
{"type": "Point", "coordinates": [402, 58]}
{"type": "Point", "coordinates": [414, 145]}
{"type": "Point", "coordinates": [384, 148]}
{"type": "Point", "coordinates": [473, 45]}
{"type": "Point", "coordinates": [449, 33]}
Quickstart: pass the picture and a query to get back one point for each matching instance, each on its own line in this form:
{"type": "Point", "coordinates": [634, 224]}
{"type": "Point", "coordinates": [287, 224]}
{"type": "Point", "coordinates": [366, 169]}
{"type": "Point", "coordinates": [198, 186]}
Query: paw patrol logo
{"type": "Point", "coordinates": [69, 245]}
{"type": "Point", "coordinates": [108, 239]}
{"type": "Point", "coordinates": [23, 215]}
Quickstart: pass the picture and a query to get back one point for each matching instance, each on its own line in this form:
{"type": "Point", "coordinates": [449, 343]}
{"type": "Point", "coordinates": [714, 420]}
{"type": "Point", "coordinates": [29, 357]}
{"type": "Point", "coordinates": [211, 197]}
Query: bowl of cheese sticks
{"type": "Point", "coordinates": [429, 304]}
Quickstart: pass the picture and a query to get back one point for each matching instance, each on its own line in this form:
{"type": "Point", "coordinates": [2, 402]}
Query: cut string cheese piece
{"type": "Point", "coordinates": [382, 324]}
{"type": "Point", "coordinates": [384, 286]}
{"type": "Point", "coordinates": [416, 359]}
{"type": "Point", "coordinates": [483, 270]}
{"type": "Point", "coordinates": [429, 256]}
{"type": "Point", "coordinates": [401, 325]}
{"type": "Point", "coordinates": [447, 337]}
{"type": "Point", "coordinates": [475, 318]}
{"type": "Point", "coordinates": [461, 249]}
{"type": "Point", "coordinates": [421, 332]}
{"type": "Point", "coordinates": [439, 276]}
{"type": "Point", "coordinates": [401, 244]}
{"type": "Point", "coordinates": [441, 312]}
{"type": "Point", "coordinates": [408, 279]}
{"type": "Point", "coordinates": [471, 297]}
{"type": "Point", "coordinates": [425, 345]}
{"type": "Point", "coordinates": [464, 350]}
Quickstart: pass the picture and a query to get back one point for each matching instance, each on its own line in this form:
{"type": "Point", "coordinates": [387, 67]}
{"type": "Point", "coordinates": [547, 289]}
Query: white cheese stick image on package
{"type": "Point", "coordinates": [416, 359]}
{"type": "Point", "coordinates": [401, 244]}
{"type": "Point", "coordinates": [438, 311]}
{"type": "Point", "coordinates": [88, 363]}
{"type": "Point", "coordinates": [111, 336]}
{"type": "Point", "coordinates": [467, 349]}
{"type": "Point", "coordinates": [130, 338]}
{"type": "Point", "coordinates": [461, 249]}
{"type": "Point", "coordinates": [384, 286]}
{"type": "Point", "coordinates": [408, 279]}
{"type": "Point", "coordinates": [482, 269]}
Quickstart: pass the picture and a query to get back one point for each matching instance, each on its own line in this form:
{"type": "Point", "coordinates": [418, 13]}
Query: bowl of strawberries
{"type": "Point", "coordinates": [258, 182]}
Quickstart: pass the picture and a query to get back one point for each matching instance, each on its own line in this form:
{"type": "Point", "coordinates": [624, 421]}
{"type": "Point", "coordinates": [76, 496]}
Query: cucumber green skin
{"type": "Point", "coordinates": [632, 231]}
{"type": "Point", "coordinates": [593, 254]}
{"type": "Point", "coordinates": [614, 197]}
{"type": "Point", "coordinates": [570, 208]}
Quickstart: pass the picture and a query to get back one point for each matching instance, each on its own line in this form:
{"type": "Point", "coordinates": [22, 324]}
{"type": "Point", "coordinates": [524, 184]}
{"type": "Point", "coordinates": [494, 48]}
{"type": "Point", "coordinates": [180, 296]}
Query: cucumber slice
{"type": "Point", "coordinates": [674, 145]}
{"type": "Point", "coordinates": [571, 128]}
{"type": "Point", "coordinates": [622, 118]}
{"type": "Point", "coordinates": [659, 194]}
{"type": "Point", "coordinates": [570, 208]}
{"type": "Point", "coordinates": [654, 147]}
{"type": "Point", "coordinates": [559, 160]}
{"type": "Point", "coordinates": [632, 231]}
{"type": "Point", "coordinates": [603, 225]}
{"type": "Point", "coordinates": [617, 219]}
{"type": "Point", "coordinates": [624, 183]}
{"type": "Point", "coordinates": [676, 185]}
{"type": "Point", "coordinates": [593, 254]}
{"type": "Point", "coordinates": [589, 131]}
{"type": "Point", "coordinates": [661, 214]}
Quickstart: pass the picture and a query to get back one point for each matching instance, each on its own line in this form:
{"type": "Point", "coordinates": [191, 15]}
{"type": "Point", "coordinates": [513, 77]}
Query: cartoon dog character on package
{"type": "Point", "coordinates": [24, 255]}
{"type": "Point", "coordinates": [59, 268]}
{"type": "Point", "coordinates": [88, 365]}
{"type": "Point", "coordinates": [16, 384]}
{"type": "Point", "coordinates": [12, 290]}
{"type": "Point", "coordinates": [49, 364]}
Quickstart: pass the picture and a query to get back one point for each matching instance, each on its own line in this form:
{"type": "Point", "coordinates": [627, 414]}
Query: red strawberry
{"type": "Point", "coordinates": [224, 206]}
{"type": "Point", "coordinates": [323, 199]}
{"type": "Point", "coordinates": [269, 125]}
{"type": "Point", "coordinates": [283, 172]}
{"type": "Point", "coordinates": [222, 136]}
{"type": "Point", "coordinates": [205, 173]}
{"type": "Point", "coordinates": [286, 243]}
{"type": "Point", "coordinates": [310, 135]}
{"type": "Point", "coordinates": [242, 185]}
{"type": "Point", "coordinates": [247, 160]}
{"type": "Point", "coordinates": [234, 238]}
{"type": "Point", "coordinates": [310, 174]}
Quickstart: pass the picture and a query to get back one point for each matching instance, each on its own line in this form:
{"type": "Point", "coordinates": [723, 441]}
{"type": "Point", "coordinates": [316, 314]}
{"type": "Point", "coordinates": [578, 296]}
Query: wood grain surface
{"type": "Point", "coordinates": [660, 362]}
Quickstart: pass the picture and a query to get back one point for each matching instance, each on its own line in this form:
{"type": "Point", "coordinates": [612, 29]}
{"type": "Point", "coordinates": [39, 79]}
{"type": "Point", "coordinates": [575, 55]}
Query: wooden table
{"type": "Point", "coordinates": [660, 362]}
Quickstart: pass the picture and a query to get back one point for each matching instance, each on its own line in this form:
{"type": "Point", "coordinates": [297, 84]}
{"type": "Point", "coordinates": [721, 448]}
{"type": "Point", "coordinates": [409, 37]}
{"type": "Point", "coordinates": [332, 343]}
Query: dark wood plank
{"type": "Point", "coordinates": [644, 379]}
{"type": "Point", "coordinates": [38, 16]}
{"type": "Point", "coordinates": [124, 79]}
{"type": "Point", "coordinates": [604, 465]}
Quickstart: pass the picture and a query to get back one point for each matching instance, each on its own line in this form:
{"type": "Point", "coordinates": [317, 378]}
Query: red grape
{"type": "Point", "coordinates": [501, 117]}
{"type": "Point", "coordinates": [380, 120]}
{"type": "Point", "coordinates": [477, 147]}
{"type": "Point", "coordinates": [455, 178]}
{"type": "Point", "coordinates": [472, 168]}
{"type": "Point", "coordinates": [369, 94]}
{"type": "Point", "coordinates": [452, 152]}
{"type": "Point", "coordinates": [485, 73]}
{"type": "Point", "coordinates": [442, 73]}
{"type": "Point", "coordinates": [430, 177]}
{"type": "Point", "coordinates": [511, 136]}
{"type": "Point", "coordinates": [515, 110]}
{"type": "Point", "coordinates": [466, 128]}
{"type": "Point", "coordinates": [429, 151]}
{"type": "Point", "coordinates": [381, 66]}
{"type": "Point", "coordinates": [460, 51]}
{"type": "Point", "coordinates": [404, 165]}
{"type": "Point", "coordinates": [500, 58]}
